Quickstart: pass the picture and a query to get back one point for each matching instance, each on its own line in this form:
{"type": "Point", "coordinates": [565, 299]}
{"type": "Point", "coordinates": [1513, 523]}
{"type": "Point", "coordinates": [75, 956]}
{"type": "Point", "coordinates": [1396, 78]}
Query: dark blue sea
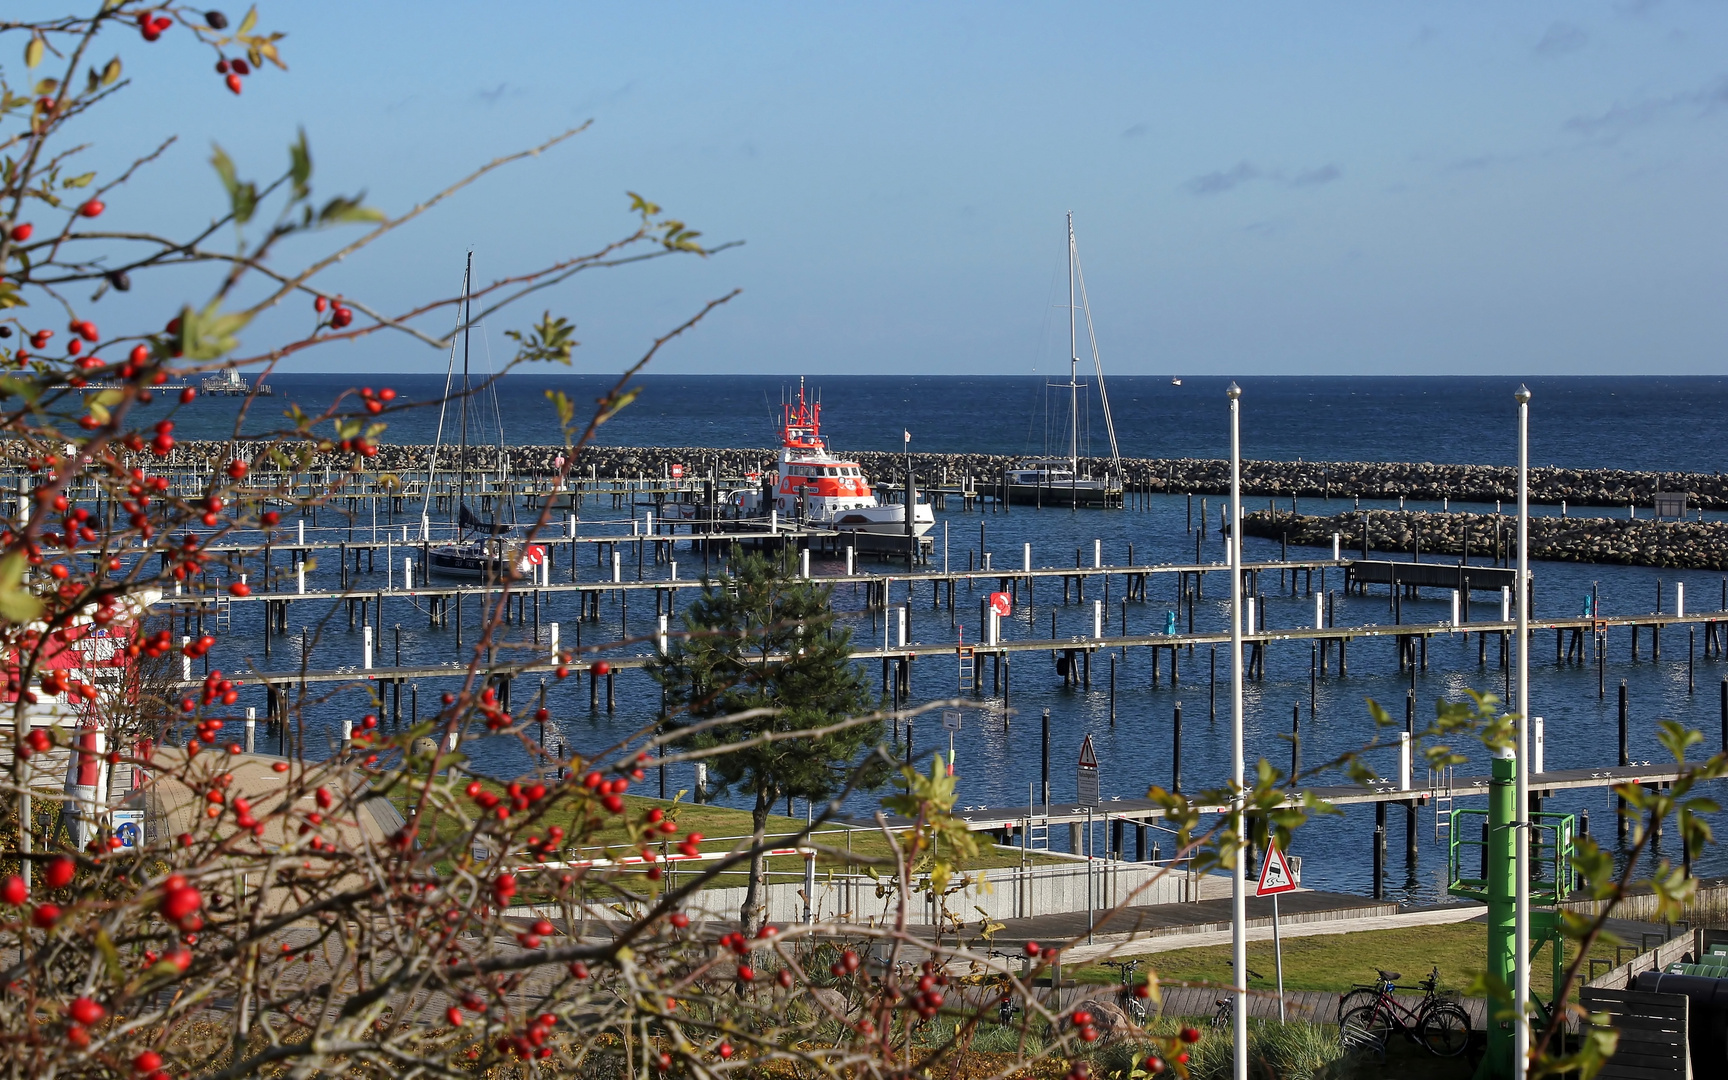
{"type": "Point", "coordinates": [1629, 423]}
{"type": "Point", "coordinates": [1657, 423]}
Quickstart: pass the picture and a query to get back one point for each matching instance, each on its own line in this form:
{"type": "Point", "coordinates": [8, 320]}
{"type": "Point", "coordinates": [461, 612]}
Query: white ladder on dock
{"type": "Point", "coordinates": [968, 669]}
{"type": "Point", "coordinates": [1037, 827]}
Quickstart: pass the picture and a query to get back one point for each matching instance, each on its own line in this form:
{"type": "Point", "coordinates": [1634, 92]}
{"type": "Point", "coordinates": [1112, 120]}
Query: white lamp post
{"type": "Point", "coordinates": [1521, 786]}
{"type": "Point", "coordinates": [1239, 877]}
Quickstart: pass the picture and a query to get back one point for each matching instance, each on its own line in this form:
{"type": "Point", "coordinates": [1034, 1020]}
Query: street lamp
{"type": "Point", "coordinates": [1239, 877]}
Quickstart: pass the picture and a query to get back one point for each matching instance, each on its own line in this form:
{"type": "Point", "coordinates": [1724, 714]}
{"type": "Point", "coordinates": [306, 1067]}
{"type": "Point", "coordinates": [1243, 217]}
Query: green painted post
{"type": "Point", "coordinates": [1502, 804]}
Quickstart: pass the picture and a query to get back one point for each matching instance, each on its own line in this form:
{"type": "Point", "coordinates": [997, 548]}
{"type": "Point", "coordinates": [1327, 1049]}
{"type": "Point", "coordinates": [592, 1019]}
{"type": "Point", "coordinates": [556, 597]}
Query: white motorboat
{"type": "Point", "coordinates": [813, 486]}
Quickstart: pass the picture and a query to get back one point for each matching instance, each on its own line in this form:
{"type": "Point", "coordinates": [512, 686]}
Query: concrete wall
{"type": "Point", "coordinates": [1007, 893]}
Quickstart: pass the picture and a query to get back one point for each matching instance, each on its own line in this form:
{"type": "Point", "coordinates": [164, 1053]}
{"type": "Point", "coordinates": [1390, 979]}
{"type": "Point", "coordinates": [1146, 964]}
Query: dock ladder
{"type": "Point", "coordinates": [1037, 831]}
{"type": "Point", "coordinates": [223, 614]}
{"type": "Point", "coordinates": [1440, 783]}
{"type": "Point", "coordinates": [968, 668]}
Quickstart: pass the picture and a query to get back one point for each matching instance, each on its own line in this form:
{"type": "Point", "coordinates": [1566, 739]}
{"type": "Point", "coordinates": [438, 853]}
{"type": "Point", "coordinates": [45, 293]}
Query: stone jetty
{"type": "Point", "coordinates": [1685, 545]}
{"type": "Point", "coordinates": [1201, 476]}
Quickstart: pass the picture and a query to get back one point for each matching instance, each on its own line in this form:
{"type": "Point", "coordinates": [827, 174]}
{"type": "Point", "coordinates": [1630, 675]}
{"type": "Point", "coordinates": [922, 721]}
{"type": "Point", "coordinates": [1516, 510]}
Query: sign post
{"type": "Point", "coordinates": [1086, 776]}
{"type": "Point", "coordinates": [1275, 878]}
{"type": "Point", "coordinates": [951, 724]}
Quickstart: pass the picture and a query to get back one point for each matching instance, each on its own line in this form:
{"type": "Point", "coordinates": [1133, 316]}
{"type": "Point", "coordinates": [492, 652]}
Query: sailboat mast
{"type": "Point", "coordinates": [1073, 365]}
{"type": "Point", "coordinates": [467, 314]}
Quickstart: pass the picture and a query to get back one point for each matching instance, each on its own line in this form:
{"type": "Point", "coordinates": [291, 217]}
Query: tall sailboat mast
{"type": "Point", "coordinates": [462, 469]}
{"type": "Point", "coordinates": [1073, 368]}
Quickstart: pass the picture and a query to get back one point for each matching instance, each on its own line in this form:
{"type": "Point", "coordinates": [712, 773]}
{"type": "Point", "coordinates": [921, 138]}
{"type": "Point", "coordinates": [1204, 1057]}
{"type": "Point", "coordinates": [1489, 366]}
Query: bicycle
{"type": "Point", "coordinates": [1005, 1007]}
{"type": "Point", "coordinates": [1226, 1012]}
{"type": "Point", "coordinates": [1132, 1004]}
{"type": "Point", "coordinates": [1437, 1022]}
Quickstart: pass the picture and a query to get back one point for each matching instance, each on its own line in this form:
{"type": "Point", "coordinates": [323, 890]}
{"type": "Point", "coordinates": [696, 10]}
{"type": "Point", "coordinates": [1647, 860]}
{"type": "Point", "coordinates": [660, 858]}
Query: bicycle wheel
{"type": "Point", "coordinates": [1446, 1031]}
{"type": "Point", "coordinates": [1362, 1031]}
{"type": "Point", "coordinates": [1362, 995]}
{"type": "Point", "coordinates": [1135, 1008]}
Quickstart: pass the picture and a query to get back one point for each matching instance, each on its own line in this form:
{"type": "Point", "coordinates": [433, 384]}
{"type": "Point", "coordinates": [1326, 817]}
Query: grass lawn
{"type": "Point", "coordinates": [717, 822]}
{"type": "Point", "coordinates": [1336, 962]}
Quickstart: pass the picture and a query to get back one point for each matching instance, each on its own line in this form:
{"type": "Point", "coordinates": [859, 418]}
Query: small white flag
{"type": "Point", "coordinates": [908, 436]}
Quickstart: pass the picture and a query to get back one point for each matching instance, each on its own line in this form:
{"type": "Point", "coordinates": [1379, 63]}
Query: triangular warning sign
{"type": "Point", "coordinates": [1275, 875]}
{"type": "Point", "coordinates": [1088, 757]}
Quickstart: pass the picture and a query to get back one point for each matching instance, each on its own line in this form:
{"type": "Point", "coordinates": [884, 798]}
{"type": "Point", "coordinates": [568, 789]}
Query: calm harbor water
{"type": "Point", "coordinates": [1592, 422]}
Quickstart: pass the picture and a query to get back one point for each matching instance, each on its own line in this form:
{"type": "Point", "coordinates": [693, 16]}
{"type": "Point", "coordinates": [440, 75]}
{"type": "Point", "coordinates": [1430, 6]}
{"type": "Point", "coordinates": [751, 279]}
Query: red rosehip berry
{"type": "Point", "coordinates": [59, 872]}
{"type": "Point", "coordinates": [92, 208]}
{"type": "Point", "coordinates": [85, 1011]}
{"type": "Point", "coordinates": [233, 82]}
{"type": "Point", "coordinates": [14, 891]}
{"type": "Point", "coordinates": [21, 232]}
{"type": "Point", "coordinates": [240, 588]}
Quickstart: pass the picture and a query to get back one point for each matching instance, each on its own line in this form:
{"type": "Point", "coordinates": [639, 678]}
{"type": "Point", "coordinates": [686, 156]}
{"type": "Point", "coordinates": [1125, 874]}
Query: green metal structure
{"type": "Point", "coordinates": [1480, 861]}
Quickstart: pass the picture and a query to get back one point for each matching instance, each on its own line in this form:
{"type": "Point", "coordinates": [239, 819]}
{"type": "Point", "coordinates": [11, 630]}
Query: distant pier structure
{"type": "Point", "coordinates": [230, 383]}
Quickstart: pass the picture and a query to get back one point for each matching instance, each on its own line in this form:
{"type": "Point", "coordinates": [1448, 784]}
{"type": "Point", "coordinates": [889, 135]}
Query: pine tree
{"type": "Point", "coordinates": [761, 638]}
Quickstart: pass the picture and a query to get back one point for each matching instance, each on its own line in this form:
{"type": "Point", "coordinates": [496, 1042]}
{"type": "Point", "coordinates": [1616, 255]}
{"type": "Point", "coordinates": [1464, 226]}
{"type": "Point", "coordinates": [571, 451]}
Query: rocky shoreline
{"type": "Point", "coordinates": [1683, 545]}
{"type": "Point", "coordinates": [1320, 479]}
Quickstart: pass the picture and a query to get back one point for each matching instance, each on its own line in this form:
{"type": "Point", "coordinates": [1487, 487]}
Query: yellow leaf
{"type": "Point", "coordinates": [33, 51]}
{"type": "Point", "coordinates": [16, 602]}
{"type": "Point", "coordinates": [111, 73]}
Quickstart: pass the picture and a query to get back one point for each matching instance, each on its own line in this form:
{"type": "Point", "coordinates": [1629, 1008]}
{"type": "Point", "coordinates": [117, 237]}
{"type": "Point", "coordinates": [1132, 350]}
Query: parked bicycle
{"type": "Point", "coordinates": [1226, 1011]}
{"type": "Point", "coordinates": [1004, 986]}
{"type": "Point", "coordinates": [1132, 1004]}
{"type": "Point", "coordinates": [1437, 1022]}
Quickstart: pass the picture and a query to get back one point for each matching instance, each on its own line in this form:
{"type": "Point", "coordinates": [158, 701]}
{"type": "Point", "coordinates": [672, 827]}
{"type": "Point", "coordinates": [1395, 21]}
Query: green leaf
{"type": "Point", "coordinates": [300, 166]}
{"type": "Point", "coordinates": [17, 604]}
{"type": "Point", "coordinates": [33, 51]}
{"type": "Point", "coordinates": [209, 334]}
{"type": "Point", "coordinates": [82, 180]}
{"type": "Point", "coordinates": [242, 195]}
{"type": "Point", "coordinates": [248, 22]}
{"type": "Point", "coordinates": [110, 956]}
{"type": "Point", "coordinates": [343, 210]}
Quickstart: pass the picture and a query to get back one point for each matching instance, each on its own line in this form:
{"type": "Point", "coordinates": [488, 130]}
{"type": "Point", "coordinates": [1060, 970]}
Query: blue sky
{"type": "Point", "coordinates": [1257, 187]}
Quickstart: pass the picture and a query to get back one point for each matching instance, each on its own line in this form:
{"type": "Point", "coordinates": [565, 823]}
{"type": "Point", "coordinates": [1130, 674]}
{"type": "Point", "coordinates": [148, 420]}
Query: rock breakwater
{"type": "Point", "coordinates": [1685, 545]}
{"type": "Point", "coordinates": [1281, 479]}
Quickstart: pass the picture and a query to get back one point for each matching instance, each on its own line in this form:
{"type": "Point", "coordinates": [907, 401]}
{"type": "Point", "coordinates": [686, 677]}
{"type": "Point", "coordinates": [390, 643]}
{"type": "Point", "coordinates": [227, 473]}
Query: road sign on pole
{"type": "Point", "coordinates": [1275, 878]}
{"type": "Point", "coordinates": [1275, 875]}
{"type": "Point", "coordinates": [1086, 777]}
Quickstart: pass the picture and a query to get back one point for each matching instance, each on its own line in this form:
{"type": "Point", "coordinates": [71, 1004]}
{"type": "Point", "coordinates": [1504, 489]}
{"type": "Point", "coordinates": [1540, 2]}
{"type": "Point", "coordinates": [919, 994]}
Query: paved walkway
{"type": "Point", "coordinates": [1343, 925]}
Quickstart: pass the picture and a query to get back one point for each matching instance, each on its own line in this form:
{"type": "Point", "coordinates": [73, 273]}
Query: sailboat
{"type": "Point", "coordinates": [478, 549]}
{"type": "Point", "coordinates": [1058, 481]}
